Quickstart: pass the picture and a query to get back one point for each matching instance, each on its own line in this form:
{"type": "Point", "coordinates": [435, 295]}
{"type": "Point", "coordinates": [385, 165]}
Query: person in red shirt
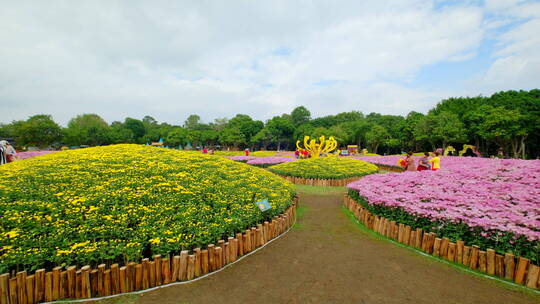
{"type": "Point", "coordinates": [423, 163]}
{"type": "Point", "coordinates": [247, 152]}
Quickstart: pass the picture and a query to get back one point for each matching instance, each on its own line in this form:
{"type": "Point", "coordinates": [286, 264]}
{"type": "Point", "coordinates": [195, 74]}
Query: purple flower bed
{"type": "Point", "coordinates": [391, 161]}
{"type": "Point", "coordinates": [30, 154]}
{"type": "Point", "coordinates": [270, 160]}
{"type": "Point", "coordinates": [488, 202]}
{"type": "Point", "coordinates": [289, 154]}
{"type": "Point", "coordinates": [241, 158]}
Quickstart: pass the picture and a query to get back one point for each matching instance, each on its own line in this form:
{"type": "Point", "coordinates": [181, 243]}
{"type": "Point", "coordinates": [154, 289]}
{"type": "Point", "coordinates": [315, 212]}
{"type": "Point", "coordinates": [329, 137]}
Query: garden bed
{"type": "Point", "coordinates": [325, 168]}
{"type": "Point", "coordinates": [487, 202]}
{"type": "Point", "coordinates": [110, 206]}
{"type": "Point", "coordinates": [490, 204]}
{"type": "Point", "coordinates": [110, 279]}
{"type": "Point", "coordinates": [121, 203]}
{"type": "Point", "coordinates": [507, 266]}
{"type": "Point", "coordinates": [321, 182]}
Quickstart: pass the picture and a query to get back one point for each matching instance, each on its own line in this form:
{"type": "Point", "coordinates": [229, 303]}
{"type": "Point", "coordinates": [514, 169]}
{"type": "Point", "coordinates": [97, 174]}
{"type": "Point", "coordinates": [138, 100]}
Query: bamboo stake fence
{"type": "Point", "coordinates": [390, 168]}
{"type": "Point", "coordinates": [320, 182]}
{"type": "Point", "coordinates": [334, 182]}
{"type": "Point", "coordinates": [106, 280]}
{"type": "Point", "coordinates": [517, 269]}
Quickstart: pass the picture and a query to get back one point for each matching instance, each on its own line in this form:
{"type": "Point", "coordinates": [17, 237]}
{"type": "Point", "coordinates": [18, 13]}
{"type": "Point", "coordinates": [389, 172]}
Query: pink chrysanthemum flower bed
{"type": "Point", "coordinates": [492, 203]}
{"type": "Point", "coordinates": [30, 154]}
{"type": "Point", "coordinates": [269, 161]}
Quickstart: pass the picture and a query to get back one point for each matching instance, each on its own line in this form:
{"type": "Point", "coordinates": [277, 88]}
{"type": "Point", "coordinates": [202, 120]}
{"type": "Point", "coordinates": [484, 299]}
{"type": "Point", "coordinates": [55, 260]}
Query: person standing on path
{"type": "Point", "coordinates": [410, 162]}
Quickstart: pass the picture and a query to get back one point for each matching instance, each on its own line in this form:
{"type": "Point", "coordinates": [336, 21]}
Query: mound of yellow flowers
{"type": "Point", "coordinates": [325, 168]}
{"type": "Point", "coordinates": [119, 203]}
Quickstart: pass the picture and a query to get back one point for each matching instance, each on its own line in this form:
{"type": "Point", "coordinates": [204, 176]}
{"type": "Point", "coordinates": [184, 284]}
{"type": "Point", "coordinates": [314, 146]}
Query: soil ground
{"type": "Point", "coordinates": [328, 258]}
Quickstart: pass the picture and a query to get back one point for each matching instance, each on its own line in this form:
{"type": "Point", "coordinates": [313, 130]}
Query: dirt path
{"type": "Point", "coordinates": [326, 258]}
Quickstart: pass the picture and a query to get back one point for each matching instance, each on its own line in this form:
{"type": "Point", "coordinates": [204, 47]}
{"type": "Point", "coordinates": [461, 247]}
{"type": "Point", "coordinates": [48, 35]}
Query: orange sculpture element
{"type": "Point", "coordinates": [316, 149]}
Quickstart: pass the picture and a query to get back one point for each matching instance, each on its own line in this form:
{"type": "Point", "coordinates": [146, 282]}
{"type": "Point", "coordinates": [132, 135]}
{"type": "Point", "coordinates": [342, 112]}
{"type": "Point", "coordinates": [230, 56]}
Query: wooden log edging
{"type": "Point", "coordinates": [321, 182]}
{"type": "Point", "coordinates": [389, 168]}
{"type": "Point", "coordinates": [516, 269]}
{"type": "Point", "coordinates": [107, 280]}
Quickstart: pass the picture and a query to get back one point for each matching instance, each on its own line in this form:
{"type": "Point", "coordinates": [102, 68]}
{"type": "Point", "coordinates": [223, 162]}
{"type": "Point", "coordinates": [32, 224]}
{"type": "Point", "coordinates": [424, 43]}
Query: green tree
{"type": "Point", "coordinates": [301, 131]}
{"type": "Point", "coordinates": [178, 136]}
{"type": "Point", "coordinates": [220, 123]}
{"type": "Point", "coordinates": [209, 137]}
{"type": "Point", "coordinates": [232, 136]}
{"type": "Point", "coordinates": [300, 115]}
{"type": "Point", "coordinates": [281, 129]}
{"type": "Point", "coordinates": [263, 138]}
{"type": "Point", "coordinates": [149, 122]}
{"type": "Point", "coordinates": [120, 134]}
{"type": "Point", "coordinates": [376, 136]}
{"type": "Point", "coordinates": [356, 131]}
{"type": "Point", "coordinates": [193, 122]}
{"type": "Point", "coordinates": [336, 131]}
{"type": "Point", "coordinates": [448, 128]}
{"type": "Point", "coordinates": [12, 130]}
{"type": "Point", "coordinates": [503, 126]}
{"type": "Point", "coordinates": [39, 130]}
{"type": "Point", "coordinates": [136, 127]}
{"type": "Point", "coordinates": [408, 127]}
{"type": "Point", "coordinates": [87, 129]}
{"type": "Point", "coordinates": [247, 126]}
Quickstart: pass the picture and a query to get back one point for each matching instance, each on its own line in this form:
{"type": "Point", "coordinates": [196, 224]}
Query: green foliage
{"type": "Point", "coordinates": [281, 129]}
{"type": "Point", "coordinates": [193, 122]}
{"type": "Point", "coordinates": [87, 129]}
{"type": "Point", "coordinates": [507, 120]}
{"type": "Point", "coordinates": [447, 128]}
{"type": "Point", "coordinates": [247, 127]}
{"type": "Point", "coordinates": [136, 127]}
{"type": "Point", "coordinates": [121, 203]}
{"type": "Point", "coordinates": [300, 115]}
{"type": "Point", "coordinates": [38, 130]}
{"type": "Point", "coordinates": [376, 136]}
{"type": "Point", "coordinates": [120, 134]}
{"type": "Point", "coordinates": [232, 136]}
{"type": "Point", "coordinates": [325, 168]}
{"type": "Point", "coordinates": [178, 136]}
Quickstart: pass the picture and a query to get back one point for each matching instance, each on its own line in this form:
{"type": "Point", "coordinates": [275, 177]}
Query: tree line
{"type": "Point", "coordinates": [507, 121]}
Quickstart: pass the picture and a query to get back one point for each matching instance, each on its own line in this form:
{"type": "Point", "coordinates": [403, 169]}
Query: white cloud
{"type": "Point", "coordinates": [170, 59]}
{"type": "Point", "coordinates": [516, 58]}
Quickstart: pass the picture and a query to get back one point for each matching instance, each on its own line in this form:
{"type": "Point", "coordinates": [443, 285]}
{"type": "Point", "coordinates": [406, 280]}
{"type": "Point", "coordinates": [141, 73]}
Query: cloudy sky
{"type": "Point", "coordinates": [169, 59]}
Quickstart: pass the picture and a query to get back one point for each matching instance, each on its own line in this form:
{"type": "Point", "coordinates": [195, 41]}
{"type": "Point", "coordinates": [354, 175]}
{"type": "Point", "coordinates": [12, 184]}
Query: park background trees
{"type": "Point", "coordinates": [508, 121]}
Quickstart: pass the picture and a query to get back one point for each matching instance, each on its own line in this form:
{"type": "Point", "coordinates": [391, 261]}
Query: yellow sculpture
{"type": "Point", "coordinates": [450, 149]}
{"type": "Point", "coordinates": [465, 147]}
{"type": "Point", "coordinates": [324, 145]}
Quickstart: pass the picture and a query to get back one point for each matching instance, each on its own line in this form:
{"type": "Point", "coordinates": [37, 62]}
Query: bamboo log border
{"type": "Point", "coordinates": [106, 280]}
{"type": "Point", "coordinates": [516, 269]}
{"type": "Point", "coordinates": [334, 182]}
{"type": "Point", "coordinates": [389, 168]}
{"type": "Point", "coordinates": [321, 182]}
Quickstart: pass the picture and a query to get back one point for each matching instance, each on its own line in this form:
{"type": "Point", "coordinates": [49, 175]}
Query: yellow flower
{"type": "Point", "coordinates": [155, 241]}
{"type": "Point", "coordinates": [11, 234]}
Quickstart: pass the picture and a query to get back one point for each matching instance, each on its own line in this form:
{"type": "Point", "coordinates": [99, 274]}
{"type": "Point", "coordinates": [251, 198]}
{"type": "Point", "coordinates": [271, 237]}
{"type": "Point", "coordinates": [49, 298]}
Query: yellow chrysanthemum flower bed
{"type": "Point", "coordinates": [119, 203]}
{"type": "Point", "coordinates": [325, 168]}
